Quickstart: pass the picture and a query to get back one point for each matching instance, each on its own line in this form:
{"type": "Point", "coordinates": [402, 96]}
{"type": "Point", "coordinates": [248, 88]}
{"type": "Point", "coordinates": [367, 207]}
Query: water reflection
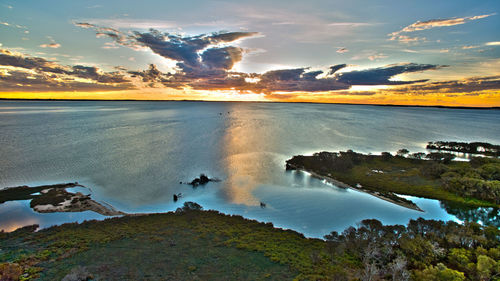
{"type": "Point", "coordinates": [248, 159]}
{"type": "Point", "coordinates": [15, 214]}
{"type": "Point", "coordinates": [486, 216]}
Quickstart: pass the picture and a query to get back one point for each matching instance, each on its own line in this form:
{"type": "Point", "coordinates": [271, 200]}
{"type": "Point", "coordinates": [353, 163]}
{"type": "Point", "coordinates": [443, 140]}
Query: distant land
{"type": "Point", "coordinates": [388, 105]}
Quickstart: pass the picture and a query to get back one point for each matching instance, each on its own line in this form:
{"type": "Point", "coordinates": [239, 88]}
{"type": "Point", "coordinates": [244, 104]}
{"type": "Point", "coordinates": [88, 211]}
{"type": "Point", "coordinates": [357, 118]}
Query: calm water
{"type": "Point", "coordinates": [133, 155]}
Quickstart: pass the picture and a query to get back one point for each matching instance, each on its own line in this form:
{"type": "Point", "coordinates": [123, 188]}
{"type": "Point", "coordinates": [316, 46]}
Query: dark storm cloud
{"type": "Point", "coordinates": [381, 75]}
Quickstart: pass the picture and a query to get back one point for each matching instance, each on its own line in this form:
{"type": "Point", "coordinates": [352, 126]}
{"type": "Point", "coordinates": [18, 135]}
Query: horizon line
{"type": "Point", "coordinates": [300, 102]}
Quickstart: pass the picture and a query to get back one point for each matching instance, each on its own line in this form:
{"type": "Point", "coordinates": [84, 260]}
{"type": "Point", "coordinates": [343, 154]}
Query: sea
{"type": "Point", "coordinates": [134, 155]}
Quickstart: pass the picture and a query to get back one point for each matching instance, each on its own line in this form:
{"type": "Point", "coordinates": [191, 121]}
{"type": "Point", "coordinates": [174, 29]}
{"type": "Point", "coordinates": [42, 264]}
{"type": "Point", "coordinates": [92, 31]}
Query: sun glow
{"type": "Point", "coordinates": [359, 88]}
{"type": "Point", "coordinates": [231, 95]}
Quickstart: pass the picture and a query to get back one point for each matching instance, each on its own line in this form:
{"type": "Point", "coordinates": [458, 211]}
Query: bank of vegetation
{"type": "Point", "coordinates": [434, 175]}
{"type": "Point", "coordinates": [192, 244]}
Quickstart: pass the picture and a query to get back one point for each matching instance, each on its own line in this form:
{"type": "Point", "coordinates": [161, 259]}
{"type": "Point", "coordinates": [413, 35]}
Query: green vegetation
{"type": "Point", "coordinates": [423, 250]}
{"type": "Point", "coordinates": [483, 148]}
{"type": "Point", "coordinates": [206, 245]}
{"type": "Point", "coordinates": [474, 183]}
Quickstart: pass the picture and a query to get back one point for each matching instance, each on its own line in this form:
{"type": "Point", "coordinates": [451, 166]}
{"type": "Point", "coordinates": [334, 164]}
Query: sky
{"type": "Point", "coordinates": [443, 52]}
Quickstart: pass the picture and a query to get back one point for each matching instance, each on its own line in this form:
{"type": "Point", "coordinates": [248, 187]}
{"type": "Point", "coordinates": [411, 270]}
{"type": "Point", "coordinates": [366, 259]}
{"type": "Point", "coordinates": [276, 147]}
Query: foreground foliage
{"type": "Point", "coordinates": [423, 250]}
{"type": "Point", "coordinates": [194, 244]}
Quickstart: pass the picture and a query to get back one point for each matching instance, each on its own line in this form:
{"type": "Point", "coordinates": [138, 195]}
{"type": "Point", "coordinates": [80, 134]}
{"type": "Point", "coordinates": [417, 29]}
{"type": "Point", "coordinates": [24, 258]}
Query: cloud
{"type": "Point", "coordinates": [37, 73]}
{"type": "Point", "coordinates": [407, 39]}
{"type": "Point", "coordinates": [428, 24]}
{"type": "Point", "coordinates": [194, 54]}
{"type": "Point", "coordinates": [305, 80]}
{"type": "Point", "coordinates": [223, 58]}
{"type": "Point", "coordinates": [453, 86]}
{"type": "Point", "coordinates": [336, 68]}
{"type": "Point", "coordinates": [342, 50]}
{"type": "Point", "coordinates": [205, 62]}
{"type": "Point", "coordinates": [467, 47]}
{"type": "Point", "coordinates": [110, 45]}
{"type": "Point", "coordinates": [15, 80]}
{"type": "Point", "coordinates": [382, 75]}
{"type": "Point", "coordinates": [84, 24]}
{"type": "Point", "coordinates": [376, 57]}
{"type": "Point", "coordinates": [423, 25]}
{"type": "Point", "coordinates": [294, 80]}
{"type": "Point", "coordinates": [152, 74]}
{"type": "Point", "coordinates": [51, 45]}
{"type": "Point", "coordinates": [14, 25]}
{"type": "Point", "coordinates": [496, 43]}
{"type": "Point", "coordinates": [132, 23]}
{"type": "Point", "coordinates": [119, 37]}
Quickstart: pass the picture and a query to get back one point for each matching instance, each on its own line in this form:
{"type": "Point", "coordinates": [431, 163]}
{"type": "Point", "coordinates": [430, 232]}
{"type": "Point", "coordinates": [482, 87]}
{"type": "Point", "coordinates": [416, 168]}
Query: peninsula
{"type": "Point", "coordinates": [434, 175]}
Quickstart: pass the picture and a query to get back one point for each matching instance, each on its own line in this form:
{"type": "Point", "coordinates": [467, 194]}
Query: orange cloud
{"type": "Point", "coordinates": [51, 45]}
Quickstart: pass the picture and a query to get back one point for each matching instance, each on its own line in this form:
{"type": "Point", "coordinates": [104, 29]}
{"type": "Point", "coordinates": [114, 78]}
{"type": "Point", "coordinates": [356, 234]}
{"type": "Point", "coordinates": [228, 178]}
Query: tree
{"type": "Point", "coordinates": [441, 157]}
{"type": "Point", "coordinates": [402, 152]}
{"type": "Point", "coordinates": [434, 170]}
{"type": "Point", "coordinates": [485, 265]}
{"type": "Point", "coordinates": [386, 155]}
{"type": "Point", "coordinates": [190, 206]}
{"type": "Point", "coordinates": [439, 273]}
{"type": "Point", "coordinates": [418, 155]}
{"type": "Point", "coordinates": [398, 269]}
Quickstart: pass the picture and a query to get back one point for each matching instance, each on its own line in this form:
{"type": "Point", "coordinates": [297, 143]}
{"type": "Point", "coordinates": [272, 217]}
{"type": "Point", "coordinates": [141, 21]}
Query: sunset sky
{"type": "Point", "coordinates": [383, 52]}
